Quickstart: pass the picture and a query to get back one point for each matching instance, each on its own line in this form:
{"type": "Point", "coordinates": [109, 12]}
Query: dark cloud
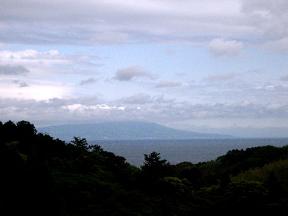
{"type": "Point", "coordinates": [88, 81]}
{"type": "Point", "coordinates": [13, 70]}
{"type": "Point", "coordinates": [271, 19]}
{"type": "Point", "coordinates": [130, 73]}
{"type": "Point", "coordinates": [94, 22]}
{"type": "Point", "coordinates": [89, 22]}
{"type": "Point", "coordinates": [21, 84]}
{"type": "Point", "coordinates": [284, 78]}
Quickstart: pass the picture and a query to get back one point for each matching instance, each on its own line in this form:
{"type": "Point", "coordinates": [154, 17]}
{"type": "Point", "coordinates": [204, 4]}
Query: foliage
{"type": "Point", "coordinates": [154, 167]}
{"type": "Point", "coordinates": [41, 175]}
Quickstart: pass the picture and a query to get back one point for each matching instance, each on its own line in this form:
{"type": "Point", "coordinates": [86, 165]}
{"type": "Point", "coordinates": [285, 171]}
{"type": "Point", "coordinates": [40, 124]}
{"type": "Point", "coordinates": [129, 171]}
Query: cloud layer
{"type": "Point", "coordinates": [94, 22]}
{"type": "Point", "coordinates": [121, 21]}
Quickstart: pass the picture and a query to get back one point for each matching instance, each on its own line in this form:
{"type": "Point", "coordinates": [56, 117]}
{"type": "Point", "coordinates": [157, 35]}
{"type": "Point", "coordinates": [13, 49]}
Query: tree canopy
{"type": "Point", "coordinates": [41, 175]}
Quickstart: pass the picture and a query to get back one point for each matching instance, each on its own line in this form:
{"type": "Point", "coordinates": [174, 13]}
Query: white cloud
{"type": "Point", "coordinates": [222, 47]}
{"type": "Point", "coordinates": [130, 73]}
{"type": "Point", "coordinates": [28, 54]}
{"type": "Point", "coordinates": [36, 92]}
{"type": "Point", "coordinates": [32, 56]}
{"type": "Point", "coordinates": [88, 108]}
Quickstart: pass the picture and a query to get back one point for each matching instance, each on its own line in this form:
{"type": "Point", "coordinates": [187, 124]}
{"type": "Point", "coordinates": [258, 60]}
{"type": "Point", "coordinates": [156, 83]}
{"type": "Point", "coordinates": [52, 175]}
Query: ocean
{"type": "Point", "coordinates": [176, 151]}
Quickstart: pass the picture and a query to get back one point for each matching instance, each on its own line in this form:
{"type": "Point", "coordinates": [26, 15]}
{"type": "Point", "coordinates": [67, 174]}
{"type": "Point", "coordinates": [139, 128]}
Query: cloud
{"type": "Point", "coordinates": [88, 81]}
{"type": "Point", "coordinates": [37, 92]}
{"type": "Point", "coordinates": [284, 78]}
{"type": "Point", "coordinates": [168, 84]}
{"type": "Point", "coordinates": [93, 22]}
{"type": "Point", "coordinates": [28, 54]}
{"type": "Point", "coordinates": [270, 19]}
{"type": "Point", "coordinates": [278, 45]}
{"type": "Point", "coordinates": [32, 31]}
{"type": "Point", "coordinates": [156, 108]}
{"type": "Point", "coordinates": [277, 7]}
{"type": "Point", "coordinates": [130, 73]}
{"type": "Point", "coordinates": [21, 84]}
{"type": "Point", "coordinates": [90, 22]}
{"type": "Point", "coordinates": [221, 47]}
{"type": "Point", "coordinates": [137, 99]}
{"type": "Point", "coordinates": [35, 61]}
{"type": "Point", "coordinates": [89, 108]}
{"type": "Point", "coordinates": [110, 37]}
{"type": "Point", "coordinates": [220, 77]}
{"type": "Point", "coordinates": [13, 70]}
{"type": "Point", "coordinates": [31, 56]}
{"type": "Point", "coordinates": [42, 63]}
{"type": "Point", "coordinates": [50, 61]}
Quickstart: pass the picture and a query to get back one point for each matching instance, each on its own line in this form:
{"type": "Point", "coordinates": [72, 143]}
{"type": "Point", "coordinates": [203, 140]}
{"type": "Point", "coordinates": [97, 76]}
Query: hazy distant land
{"type": "Point", "coordinates": [129, 130]}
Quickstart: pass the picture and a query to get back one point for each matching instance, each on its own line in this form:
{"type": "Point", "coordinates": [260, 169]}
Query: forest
{"type": "Point", "coordinates": [41, 175]}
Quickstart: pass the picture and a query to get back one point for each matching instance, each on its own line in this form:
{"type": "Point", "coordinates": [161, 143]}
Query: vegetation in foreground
{"type": "Point", "coordinates": [41, 175]}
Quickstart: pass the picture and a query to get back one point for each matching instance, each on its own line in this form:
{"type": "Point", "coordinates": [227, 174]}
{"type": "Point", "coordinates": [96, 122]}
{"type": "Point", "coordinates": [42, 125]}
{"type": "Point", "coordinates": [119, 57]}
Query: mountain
{"type": "Point", "coordinates": [122, 131]}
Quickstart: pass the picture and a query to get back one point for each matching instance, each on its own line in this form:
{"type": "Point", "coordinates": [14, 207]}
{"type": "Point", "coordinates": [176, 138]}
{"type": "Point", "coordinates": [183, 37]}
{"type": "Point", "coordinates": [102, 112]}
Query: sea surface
{"type": "Point", "coordinates": [175, 151]}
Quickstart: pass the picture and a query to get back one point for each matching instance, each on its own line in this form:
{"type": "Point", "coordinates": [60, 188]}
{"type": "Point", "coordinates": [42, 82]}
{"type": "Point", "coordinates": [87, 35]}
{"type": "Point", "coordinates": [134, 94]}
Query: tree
{"type": "Point", "coordinates": [153, 160]}
{"type": "Point", "coordinates": [80, 143]}
{"type": "Point", "coordinates": [9, 131]}
{"type": "Point", "coordinates": [26, 129]}
{"type": "Point", "coordinates": [96, 148]}
{"type": "Point", "coordinates": [154, 167]}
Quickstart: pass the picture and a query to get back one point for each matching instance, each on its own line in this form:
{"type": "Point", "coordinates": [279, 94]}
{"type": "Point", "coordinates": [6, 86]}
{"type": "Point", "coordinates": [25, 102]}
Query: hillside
{"type": "Point", "coordinates": [41, 175]}
{"type": "Point", "coordinates": [122, 131]}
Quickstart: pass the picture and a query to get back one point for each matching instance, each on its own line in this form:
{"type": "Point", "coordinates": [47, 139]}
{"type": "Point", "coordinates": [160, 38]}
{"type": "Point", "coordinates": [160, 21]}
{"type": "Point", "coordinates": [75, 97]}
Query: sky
{"type": "Point", "coordinates": [209, 66]}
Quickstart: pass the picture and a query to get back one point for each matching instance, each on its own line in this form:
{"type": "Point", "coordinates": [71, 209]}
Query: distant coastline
{"type": "Point", "coordinates": [126, 130]}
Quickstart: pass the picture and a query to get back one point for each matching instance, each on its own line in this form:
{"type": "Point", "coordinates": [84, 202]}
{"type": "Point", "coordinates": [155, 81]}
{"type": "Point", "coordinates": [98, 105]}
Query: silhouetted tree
{"type": "Point", "coordinates": [95, 148]}
{"type": "Point", "coordinates": [80, 143]}
{"type": "Point", "coordinates": [9, 131]}
{"type": "Point", "coordinates": [26, 129]}
{"type": "Point", "coordinates": [154, 167]}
